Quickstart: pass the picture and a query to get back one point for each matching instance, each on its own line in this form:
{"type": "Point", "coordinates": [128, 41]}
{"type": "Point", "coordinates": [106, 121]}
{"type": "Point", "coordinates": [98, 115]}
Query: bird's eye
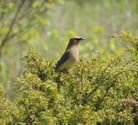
{"type": "Point", "coordinates": [78, 38]}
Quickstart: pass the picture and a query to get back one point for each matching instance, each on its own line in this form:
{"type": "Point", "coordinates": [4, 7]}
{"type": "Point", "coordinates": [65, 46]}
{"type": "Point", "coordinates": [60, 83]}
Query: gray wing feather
{"type": "Point", "coordinates": [62, 60]}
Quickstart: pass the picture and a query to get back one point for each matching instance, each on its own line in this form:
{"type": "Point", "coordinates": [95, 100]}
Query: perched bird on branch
{"type": "Point", "coordinates": [70, 56]}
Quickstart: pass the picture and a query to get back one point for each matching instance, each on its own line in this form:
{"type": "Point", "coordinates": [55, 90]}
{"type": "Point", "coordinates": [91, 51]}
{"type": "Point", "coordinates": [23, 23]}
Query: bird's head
{"type": "Point", "coordinates": [75, 40]}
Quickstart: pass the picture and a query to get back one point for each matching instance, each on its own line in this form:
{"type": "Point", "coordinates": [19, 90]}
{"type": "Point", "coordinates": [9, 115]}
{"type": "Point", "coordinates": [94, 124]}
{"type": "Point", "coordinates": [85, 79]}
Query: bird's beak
{"type": "Point", "coordinates": [81, 38]}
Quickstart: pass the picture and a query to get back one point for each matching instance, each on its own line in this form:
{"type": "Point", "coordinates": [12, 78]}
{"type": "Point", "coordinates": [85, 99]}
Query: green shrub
{"type": "Point", "coordinates": [5, 109]}
{"type": "Point", "coordinates": [94, 92]}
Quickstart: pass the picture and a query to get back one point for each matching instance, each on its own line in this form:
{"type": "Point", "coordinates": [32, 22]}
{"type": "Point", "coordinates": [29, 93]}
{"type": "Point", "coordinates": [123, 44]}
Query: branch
{"type": "Point", "coordinates": [100, 100]}
{"type": "Point", "coordinates": [113, 83]}
{"type": "Point", "coordinates": [5, 39]}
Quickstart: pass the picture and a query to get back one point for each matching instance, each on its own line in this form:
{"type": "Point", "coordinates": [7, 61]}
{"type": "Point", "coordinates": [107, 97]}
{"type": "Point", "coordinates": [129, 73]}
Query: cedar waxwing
{"type": "Point", "coordinates": [70, 56]}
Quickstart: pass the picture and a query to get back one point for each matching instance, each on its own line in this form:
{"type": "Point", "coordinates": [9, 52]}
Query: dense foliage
{"type": "Point", "coordinates": [101, 89]}
{"type": "Point", "coordinates": [40, 24]}
{"type": "Point", "coordinates": [95, 92]}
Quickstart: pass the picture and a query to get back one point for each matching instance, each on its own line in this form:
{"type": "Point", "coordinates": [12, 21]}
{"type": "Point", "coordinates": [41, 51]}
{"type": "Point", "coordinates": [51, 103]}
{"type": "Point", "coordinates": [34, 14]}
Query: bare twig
{"type": "Point", "coordinates": [5, 39]}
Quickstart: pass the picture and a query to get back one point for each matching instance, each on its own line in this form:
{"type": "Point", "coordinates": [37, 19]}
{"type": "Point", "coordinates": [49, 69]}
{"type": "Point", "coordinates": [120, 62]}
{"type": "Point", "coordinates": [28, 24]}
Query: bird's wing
{"type": "Point", "coordinates": [63, 59]}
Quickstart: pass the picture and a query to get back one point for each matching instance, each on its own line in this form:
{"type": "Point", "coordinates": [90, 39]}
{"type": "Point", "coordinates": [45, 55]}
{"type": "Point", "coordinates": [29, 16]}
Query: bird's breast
{"type": "Point", "coordinates": [74, 54]}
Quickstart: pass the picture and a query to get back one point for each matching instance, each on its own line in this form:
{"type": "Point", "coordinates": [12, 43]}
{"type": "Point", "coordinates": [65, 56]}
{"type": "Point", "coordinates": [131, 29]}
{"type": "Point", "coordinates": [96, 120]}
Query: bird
{"type": "Point", "coordinates": [71, 55]}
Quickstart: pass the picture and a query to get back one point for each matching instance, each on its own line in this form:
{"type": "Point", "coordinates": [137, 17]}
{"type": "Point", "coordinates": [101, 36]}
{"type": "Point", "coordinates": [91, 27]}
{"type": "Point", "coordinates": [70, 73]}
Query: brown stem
{"type": "Point", "coordinates": [5, 39]}
{"type": "Point", "coordinates": [100, 100]}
